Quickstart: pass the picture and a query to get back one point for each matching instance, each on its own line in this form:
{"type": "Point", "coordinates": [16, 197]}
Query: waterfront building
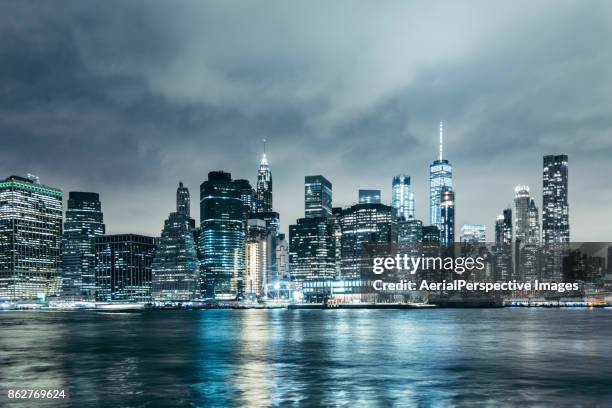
{"type": "Point", "coordinates": [555, 207]}
{"type": "Point", "coordinates": [257, 259]}
{"type": "Point", "coordinates": [447, 216]}
{"type": "Point", "coordinates": [312, 249]}
{"type": "Point", "coordinates": [317, 196]}
{"type": "Point", "coordinates": [123, 267]}
{"type": "Point", "coordinates": [440, 176]}
{"type": "Point", "coordinates": [175, 267]}
{"type": "Point", "coordinates": [84, 221]}
{"type": "Point", "coordinates": [363, 224]}
{"type": "Point", "coordinates": [222, 236]}
{"type": "Point", "coordinates": [473, 233]}
{"type": "Point", "coordinates": [402, 197]}
{"type": "Point", "coordinates": [369, 196]}
{"type": "Point", "coordinates": [30, 239]}
{"type": "Point", "coordinates": [264, 185]}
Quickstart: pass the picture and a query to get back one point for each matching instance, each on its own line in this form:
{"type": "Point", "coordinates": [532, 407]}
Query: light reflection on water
{"type": "Point", "coordinates": [487, 357]}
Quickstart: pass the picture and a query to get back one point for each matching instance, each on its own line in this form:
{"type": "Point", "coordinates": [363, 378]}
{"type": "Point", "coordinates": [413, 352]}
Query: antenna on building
{"type": "Point", "coordinates": [441, 138]}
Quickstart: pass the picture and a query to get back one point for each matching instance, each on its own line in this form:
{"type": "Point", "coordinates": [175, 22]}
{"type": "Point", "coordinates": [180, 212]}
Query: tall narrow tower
{"type": "Point", "coordinates": [264, 184]}
{"type": "Point", "coordinates": [183, 200]}
{"type": "Point", "coordinates": [440, 176]}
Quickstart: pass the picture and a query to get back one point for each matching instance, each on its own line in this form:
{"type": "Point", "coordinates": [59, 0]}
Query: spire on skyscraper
{"type": "Point", "coordinates": [441, 138]}
{"type": "Point", "coordinates": [264, 160]}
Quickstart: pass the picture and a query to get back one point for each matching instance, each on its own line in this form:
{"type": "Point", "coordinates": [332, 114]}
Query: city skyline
{"type": "Point", "coordinates": [88, 108]}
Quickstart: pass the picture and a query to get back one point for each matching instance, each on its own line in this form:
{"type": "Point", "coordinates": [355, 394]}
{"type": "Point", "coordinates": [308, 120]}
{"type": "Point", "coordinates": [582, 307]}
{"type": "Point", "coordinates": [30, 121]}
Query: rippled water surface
{"type": "Point", "coordinates": [446, 357]}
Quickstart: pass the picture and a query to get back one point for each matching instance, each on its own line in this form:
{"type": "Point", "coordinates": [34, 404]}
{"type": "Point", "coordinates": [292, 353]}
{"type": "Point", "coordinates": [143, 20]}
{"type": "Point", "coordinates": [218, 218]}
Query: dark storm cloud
{"type": "Point", "coordinates": [127, 98]}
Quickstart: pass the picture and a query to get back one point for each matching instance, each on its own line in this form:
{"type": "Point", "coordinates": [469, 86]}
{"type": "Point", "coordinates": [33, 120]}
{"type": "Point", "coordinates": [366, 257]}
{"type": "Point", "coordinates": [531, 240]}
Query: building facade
{"type": "Point", "coordinates": [447, 216]}
{"type": "Point", "coordinates": [84, 222]}
{"type": "Point", "coordinates": [364, 224]}
{"type": "Point", "coordinates": [402, 197]}
{"type": "Point", "coordinates": [555, 207]}
{"type": "Point", "coordinates": [317, 196]}
{"type": "Point", "coordinates": [369, 196]}
{"type": "Point", "coordinates": [440, 177]}
{"type": "Point", "coordinates": [30, 239]}
{"type": "Point", "coordinates": [175, 267]}
{"type": "Point", "coordinates": [123, 267]}
{"type": "Point", "coordinates": [264, 186]}
{"type": "Point", "coordinates": [222, 237]}
{"type": "Point", "coordinates": [473, 233]}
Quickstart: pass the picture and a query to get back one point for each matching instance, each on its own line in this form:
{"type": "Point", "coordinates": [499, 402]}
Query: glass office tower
{"type": "Point", "coordinates": [440, 176]}
{"type": "Point", "coordinates": [30, 239]}
{"type": "Point", "coordinates": [447, 216]}
{"type": "Point", "coordinates": [364, 224]}
{"type": "Point", "coordinates": [222, 235]}
{"type": "Point", "coordinates": [402, 198]}
{"type": "Point", "coordinates": [123, 267]}
{"type": "Point", "coordinates": [84, 222]}
{"type": "Point", "coordinates": [555, 207]}
{"type": "Point", "coordinates": [317, 196]}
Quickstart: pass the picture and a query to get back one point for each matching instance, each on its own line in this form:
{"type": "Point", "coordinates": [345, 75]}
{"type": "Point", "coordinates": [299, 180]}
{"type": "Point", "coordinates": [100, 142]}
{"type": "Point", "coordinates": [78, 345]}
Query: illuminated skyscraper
{"type": "Point", "coordinates": [30, 239]}
{"type": "Point", "coordinates": [256, 260]}
{"type": "Point", "coordinates": [555, 207]}
{"type": "Point", "coordinates": [473, 233]}
{"type": "Point", "coordinates": [84, 222]}
{"type": "Point", "coordinates": [440, 176]}
{"type": "Point", "coordinates": [312, 249]}
{"type": "Point", "coordinates": [248, 197]}
{"type": "Point", "coordinates": [317, 196]}
{"type": "Point", "coordinates": [222, 236]}
{"type": "Point", "coordinates": [447, 216]}
{"type": "Point", "coordinates": [364, 224]}
{"type": "Point", "coordinates": [526, 225]}
{"type": "Point", "coordinates": [503, 227]}
{"type": "Point", "coordinates": [123, 267]}
{"type": "Point", "coordinates": [183, 200]}
{"type": "Point", "coordinates": [402, 197]}
{"type": "Point", "coordinates": [369, 196]}
{"type": "Point", "coordinates": [264, 185]}
{"type": "Point", "coordinates": [175, 269]}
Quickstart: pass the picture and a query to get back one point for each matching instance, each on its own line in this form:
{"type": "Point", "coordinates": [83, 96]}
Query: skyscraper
{"type": "Point", "coordinates": [264, 185]}
{"type": "Point", "coordinates": [183, 200]}
{"type": "Point", "coordinates": [312, 252]}
{"type": "Point", "coordinates": [30, 239]}
{"type": "Point", "coordinates": [248, 196]}
{"type": "Point", "coordinates": [503, 227]}
{"type": "Point", "coordinates": [312, 249]}
{"type": "Point", "coordinates": [257, 258]}
{"type": "Point", "coordinates": [175, 269]}
{"type": "Point", "coordinates": [222, 236]}
{"type": "Point", "coordinates": [84, 222]}
{"type": "Point", "coordinates": [365, 224]}
{"type": "Point", "coordinates": [440, 176]}
{"type": "Point", "coordinates": [317, 196]}
{"type": "Point", "coordinates": [526, 225]}
{"type": "Point", "coordinates": [369, 196]}
{"type": "Point", "coordinates": [473, 233]}
{"type": "Point", "coordinates": [402, 197]}
{"type": "Point", "coordinates": [555, 207]}
{"type": "Point", "coordinates": [447, 216]}
{"type": "Point", "coordinates": [123, 267]}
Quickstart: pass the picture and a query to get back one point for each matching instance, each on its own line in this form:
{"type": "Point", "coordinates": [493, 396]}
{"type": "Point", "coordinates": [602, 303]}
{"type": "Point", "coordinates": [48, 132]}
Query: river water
{"type": "Point", "coordinates": [421, 358]}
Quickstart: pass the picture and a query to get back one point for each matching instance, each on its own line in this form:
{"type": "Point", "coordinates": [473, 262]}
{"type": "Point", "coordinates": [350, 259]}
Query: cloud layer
{"type": "Point", "coordinates": [128, 98]}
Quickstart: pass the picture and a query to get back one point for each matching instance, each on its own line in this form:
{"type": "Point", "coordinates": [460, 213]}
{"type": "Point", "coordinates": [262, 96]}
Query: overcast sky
{"type": "Point", "coordinates": [126, 98]}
